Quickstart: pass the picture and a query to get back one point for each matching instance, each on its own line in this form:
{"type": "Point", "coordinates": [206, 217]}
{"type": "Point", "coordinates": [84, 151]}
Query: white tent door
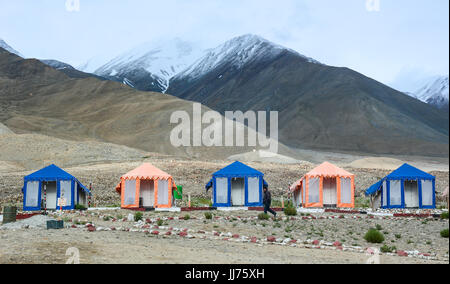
{"type": "Point", "coordinates": [147, 193]}
{"type": "Point", "coordinates": [237, 191]}
{"type": "Point", "coordinates": [411, 194]}
{"type": "Point", "coordinates": [51, 194]}
{"type": "Point", "coordinates": [329, 191]}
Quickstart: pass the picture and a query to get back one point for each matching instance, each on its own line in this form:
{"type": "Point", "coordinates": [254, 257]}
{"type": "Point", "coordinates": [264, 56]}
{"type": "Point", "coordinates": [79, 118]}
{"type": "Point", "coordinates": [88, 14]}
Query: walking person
{"type": "Point", "coordinates": [267, 201]}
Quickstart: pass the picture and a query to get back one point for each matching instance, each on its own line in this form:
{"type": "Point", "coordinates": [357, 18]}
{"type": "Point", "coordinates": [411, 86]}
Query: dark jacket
{"type": "Point", "coordinates": [267, 199]}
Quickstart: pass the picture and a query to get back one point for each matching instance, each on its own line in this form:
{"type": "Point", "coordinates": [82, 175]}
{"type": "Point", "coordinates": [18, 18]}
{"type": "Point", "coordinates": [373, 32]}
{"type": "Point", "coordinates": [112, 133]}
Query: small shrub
{"type": "Point", "coordinates": [138, 216]}
{"type": "Point", "coordinates": [263, 216]}
{"type": "Point", "coordinates": [80, 207]}
{"type": "Point", "coordinates": [106, 218]}
{"type": "Point", "coordinates": [386, 249]}
{"type": "Point", "coordinates": [398, 236]}
{"type": "Point", "coordinates": [374, 236]}
{"type": "Point", "coordinates": [444, 233]}
{"type": "Point", "coordinates": [187, 217]}
{"type": "Point", "coordinates": [208, 216]}
{"type": "Point", "coordinates": [444, 215]}
{"type": "Point", "coordinates": [378, 227]}
{"type": "Point", "coordinates": [159, 222]}
{"type": "Point", "coordinates": [290, 211]}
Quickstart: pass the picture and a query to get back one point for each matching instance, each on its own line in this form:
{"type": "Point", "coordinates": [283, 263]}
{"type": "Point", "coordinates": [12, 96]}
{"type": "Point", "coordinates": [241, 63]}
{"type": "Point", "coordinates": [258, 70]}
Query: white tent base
{"type": "Point", "coordinates": [310, 210]}
{"type": "Point", "coordinates": [173, 209]}
{"type": "Point", "coordinates": [232, 208]}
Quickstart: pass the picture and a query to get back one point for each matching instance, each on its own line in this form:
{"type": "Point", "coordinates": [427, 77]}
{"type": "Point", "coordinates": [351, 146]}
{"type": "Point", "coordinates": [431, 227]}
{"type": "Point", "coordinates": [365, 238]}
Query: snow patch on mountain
{"type": "Point", "coordinates": [435, 92]}
{"type": "Point", "coordinates": [162, 60]}
{"type": "Point", "coordinates": [238, 52]}
{"type": "Point", "coordinates": [8, 48]}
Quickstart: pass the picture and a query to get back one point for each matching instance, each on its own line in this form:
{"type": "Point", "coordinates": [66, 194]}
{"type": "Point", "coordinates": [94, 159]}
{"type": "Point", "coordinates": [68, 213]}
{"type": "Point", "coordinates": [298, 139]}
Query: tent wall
{"type": "Point", "coordinates": [32, 196]}
{"type": "Point", "coordinates": [314, 192]}
{"type": "Point", "coordinates": [346, 192]}
{"type": "Point", "coordinates": [427, 194]}
{"type": "Point", "coordinates": [250, 188]}
{"type": "Point", "coordinates": [163, 193]}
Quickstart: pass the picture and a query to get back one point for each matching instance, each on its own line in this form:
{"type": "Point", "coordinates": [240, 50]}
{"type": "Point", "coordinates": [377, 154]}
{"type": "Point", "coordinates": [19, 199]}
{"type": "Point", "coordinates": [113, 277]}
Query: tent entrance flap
{"type": "Point", "coordinates": [237, 191]}
{"type": "Point", "coordinates": [411, 194]}
{"type": "Point", "coordinates": [51, 194]}
{"type": "Point", "coordinates": [147, 193]}
{"type": "Point", "coordinates": [329, 191]}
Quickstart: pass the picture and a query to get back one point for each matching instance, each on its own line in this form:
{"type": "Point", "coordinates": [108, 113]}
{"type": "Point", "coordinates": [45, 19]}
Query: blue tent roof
{"type": "Point", "coordinates": [238, 169]}
{"type": "Point", "coordinates": [408, 171]}
{"type": "Point", "coordinates": [404, 172]}
{"type": "Point", "coordinates": [52, 173]}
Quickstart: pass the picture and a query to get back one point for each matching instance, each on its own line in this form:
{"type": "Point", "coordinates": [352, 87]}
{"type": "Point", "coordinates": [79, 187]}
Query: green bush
{"type": "Point", "coordinates": [159, 222]}
{"type": "Point", "coordinates": [187, 217]}
{"type": "Point", "coordinates": [444, 233]}
{"type": "Point", "coordinates": [263, 216]}
{"type": "Point", "coordinates": [444, 215]}
{"type": "Point", "coordinates": [290, 211]}
{"type": "Point", "coordinates": [80, 207]}
{"type": "Point", "coordinates": [208, 215]}
{"type": "Point", "coordinates": [378, 227]}
{"type": "Point", "coordinates": [386, 249]}
{"type": "Point", "coordinates": [374, 236]}
{"type": "Point", "coordinates": [138, 216]}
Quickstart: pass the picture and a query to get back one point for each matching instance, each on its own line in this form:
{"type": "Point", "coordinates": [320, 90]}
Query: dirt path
{"type": "Point", "coordinates": [41, 246]}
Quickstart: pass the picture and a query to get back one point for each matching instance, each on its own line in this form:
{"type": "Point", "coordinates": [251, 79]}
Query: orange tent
{"type": "Point", "coordinates": [146, 187]}
{"type": "Point", "coordinates": [326, 185]}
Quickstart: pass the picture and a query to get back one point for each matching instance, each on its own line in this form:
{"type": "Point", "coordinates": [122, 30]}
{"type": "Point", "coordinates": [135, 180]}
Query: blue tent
{"type": "Point", "coordinates": [406, 187]}
{"type": "Point", "coordinates": [237, 185]}
{"type": "Point", "coordinates": [58, 183]}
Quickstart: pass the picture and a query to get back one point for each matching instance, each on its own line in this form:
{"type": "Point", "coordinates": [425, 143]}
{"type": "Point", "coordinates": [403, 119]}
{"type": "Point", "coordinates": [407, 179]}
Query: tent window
{"type": "Point", "coordinates": [66, 191]}
{"type": "Point", "coordinates": [427, 193]}
{"type": "Point", "coordinates": [384, 193]}
{"type": "Point", "coordinates": [253, 190]}
{"type": "Point", "coordinates": [130, 192]}
{"type": "Point", "coordinates": [346, 190]}
{"type": "Point", "coordinates": [396, 192]}
{"type": "Point", "coordinates": [32, 194]}
{"type": "Point", "coordinates": [313, 190]}
{"type": "Point", "coordinates": [163, 192]}
{"type": "Point", "coordinates": [221, 190]}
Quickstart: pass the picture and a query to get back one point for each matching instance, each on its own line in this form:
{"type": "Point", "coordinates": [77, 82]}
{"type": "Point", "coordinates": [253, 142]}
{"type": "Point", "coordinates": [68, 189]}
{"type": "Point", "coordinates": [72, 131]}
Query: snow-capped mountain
{"type": "Point", "coordinates": [57, 64]}
{"type": "Point", "coordinates": [8, 48]}
{"type": "Point", "coordinates": [150, 66]}
{"type": "Point", "coordinates": [435, 92]}
{"type": "Point", "coordinates": [236, 52]}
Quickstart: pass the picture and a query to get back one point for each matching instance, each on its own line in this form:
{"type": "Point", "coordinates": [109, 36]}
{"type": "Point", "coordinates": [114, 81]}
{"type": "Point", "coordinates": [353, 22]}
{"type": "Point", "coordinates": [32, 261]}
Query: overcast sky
{"type": "Point", "coordinates": [402, 42]}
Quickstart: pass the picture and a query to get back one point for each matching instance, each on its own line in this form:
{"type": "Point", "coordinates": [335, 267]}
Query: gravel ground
{"type": "Point", "coordinates": [119, 241]}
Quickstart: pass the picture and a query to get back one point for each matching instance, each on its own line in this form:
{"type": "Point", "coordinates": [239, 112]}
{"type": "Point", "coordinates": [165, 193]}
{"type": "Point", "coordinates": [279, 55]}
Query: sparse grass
{"type": "Point", "coordinates": [362, 202]}
{"type": "Point", "coordinates": [138, 216]}
{"type": "Point", "coordinates": [80, 207]}
{"type": "Point", "coordinates": [263, 216]}
{"type": "Point", "coordinates": [444, 215]}
{"type": "Point", "coordinates": [374, 236]}
{"type": "Point", "coordinates": [378, 227]}
{"type": "Point", "coordinates": [290, 211]}
{"type": "Point", "coordinates": [386, 249]}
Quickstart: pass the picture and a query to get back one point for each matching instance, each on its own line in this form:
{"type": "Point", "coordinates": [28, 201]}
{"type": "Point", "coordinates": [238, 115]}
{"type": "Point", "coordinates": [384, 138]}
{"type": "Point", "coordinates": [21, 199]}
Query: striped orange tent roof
{"type": "Point", "coordinates": [329, 170]}
{"type": "Point", "coordinates": [326, 170]}
{"type": "Point", "coordinates": [145, 172]}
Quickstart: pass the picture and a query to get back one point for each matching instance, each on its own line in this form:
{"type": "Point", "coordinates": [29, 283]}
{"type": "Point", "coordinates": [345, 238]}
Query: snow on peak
{"type": "Point", "coordinates": [162, 59]}
{"type": "Point", "coordinates": [237, 52]}
{"type": "Point", "coordinates": [8, 48]}
{"type": "Point", "coordinates": [435, 92]}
